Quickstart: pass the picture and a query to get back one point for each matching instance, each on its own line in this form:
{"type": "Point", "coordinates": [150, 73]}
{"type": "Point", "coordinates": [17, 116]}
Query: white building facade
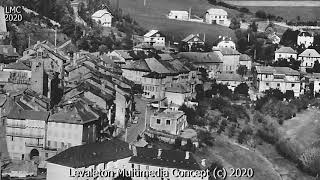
{"type": "Point", "coordinates": [103, 17]}
{"type": "Point", "coordinates": [179, 15]}
{"type": "Point", "coordinates": [216, 16]}
{"type": "Point", "coordinates": [305, 38]}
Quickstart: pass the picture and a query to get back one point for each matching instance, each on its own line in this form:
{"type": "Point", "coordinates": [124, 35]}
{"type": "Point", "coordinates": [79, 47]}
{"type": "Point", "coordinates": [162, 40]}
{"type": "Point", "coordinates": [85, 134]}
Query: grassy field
{"type": "Point", "coordinates": [153, 16]}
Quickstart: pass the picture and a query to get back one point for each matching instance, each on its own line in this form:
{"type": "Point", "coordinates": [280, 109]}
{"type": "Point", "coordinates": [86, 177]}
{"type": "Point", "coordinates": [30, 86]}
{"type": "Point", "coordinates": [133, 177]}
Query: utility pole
{"type": "Point", "coordinates": [29, 42]}
{"type": "Point", "coordinates": [55, 39]}
{"type": "Point", "coordinates": [144, 3]}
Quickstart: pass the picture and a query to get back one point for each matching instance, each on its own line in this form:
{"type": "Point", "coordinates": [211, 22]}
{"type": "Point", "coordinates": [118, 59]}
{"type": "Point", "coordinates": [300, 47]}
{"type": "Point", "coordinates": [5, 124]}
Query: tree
{"type": "Point", "coordinates": [242, 70]}
{"type": "Point", "coordinates": [177, 143]}
{"type": "Point", "coordinates": [254, 26]}
{"type": "Point", "coordinates": [205, 137]}
{"type": "Point", "coordinates": [289, 94]}
{"type": "Point", "coordinates": [235, 23]}
{"type": "Point", "coordinates": [316, 67]}
{"type": "Point", "coordinates": [242, 88]}
{"type": "Point", "coordinates": [261, 14]}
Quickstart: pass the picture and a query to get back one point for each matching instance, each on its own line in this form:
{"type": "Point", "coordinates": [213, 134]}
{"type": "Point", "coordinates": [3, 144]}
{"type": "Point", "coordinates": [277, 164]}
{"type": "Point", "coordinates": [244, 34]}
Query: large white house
{"type": "Point", "coordinates": [154, 38]}
{"type": "Point", "coordinates": [179, 15]}
{"type": "Point", "coordinates": [226, 42]}
{"type": "Point", "coordinates": [308, 58]}
{"type": "Point", "coordinates": [285, 53]}
{"type": "Point", "coordinates": [216, 16]}
{"type": "Point", "coordinates": [282, 78]}
{"type": "Point", "coordinates": [103, 17]}
{"type": "Point", "coordinates": [305, 38]}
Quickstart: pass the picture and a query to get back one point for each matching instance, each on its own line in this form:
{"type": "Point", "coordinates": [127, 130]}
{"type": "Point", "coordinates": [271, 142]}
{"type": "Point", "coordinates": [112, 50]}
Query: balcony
{"type": "Point", "coordinates": [25, 135]}
{"type": "Point", "coordinates": [22, 126]}
{"type": "Point", "coordinates": [28, 144]}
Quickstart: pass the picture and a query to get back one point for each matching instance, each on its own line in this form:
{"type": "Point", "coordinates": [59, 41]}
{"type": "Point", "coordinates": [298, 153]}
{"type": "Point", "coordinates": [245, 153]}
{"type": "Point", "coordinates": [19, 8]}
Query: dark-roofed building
{"type": "Point", "coordinates": [282, 78]}
{"type": "Point", "coordinates": [110, 155]}
{"type": "Point", "coordinates": [308, 58]}
{"type": "Point", "coordinates": [210, 61]}
{"type": "Point", "coordinates": [120, 56]}
{"type": "Point", "coordinates": [230, 58]}
{"type": "Point", "coordinates": [191, 41]}
{"type": "Point", "coordinates": [231, 80]}
{"type": "Point", "coordinates": [171, 161]}
{"type": "Point", "coordinates": [285, 53]}
{"type": "Point", "coordinates": [25, 131]}
{"type": "Point", "coordinates": [177, 93]}
{"type": "Point", "coordinates": [135, 70]}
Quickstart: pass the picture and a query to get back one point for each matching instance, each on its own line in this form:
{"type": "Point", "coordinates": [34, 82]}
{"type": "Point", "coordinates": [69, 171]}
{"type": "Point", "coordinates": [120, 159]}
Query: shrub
{"type": "Point", "coordinates": [205, 138]}
{"type": "Point", "coordinates": [310, 161]}
{"type": "Point", "coordinates": [290, 149]}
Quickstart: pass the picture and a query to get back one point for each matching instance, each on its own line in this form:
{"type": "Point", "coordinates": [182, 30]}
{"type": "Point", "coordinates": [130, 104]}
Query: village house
{"type": "Point", "coordinates": [285, 53]}
{"type": "Point", "coordinates": [305, 38]}
{"type": "Point", "coordinates": [30, 100]}
{"type": "Point", "coordinates": [8, 54]}
{"type": "Point", "coordinates": [135, 70]}
{"type": "Point", "coordinates": [216, 16]}
{"type": "Point", "coordinates": [103, 17]}
{"type": "Point", "coordinates": [155, 38]}
{"type": "Point", "coordinates": [282, 78]}
{"type": "Point", "coordinates": [169, 121]}
{"type": "Point", "coordinates": [179, 15]}
{"type": "Point", "coordinates": [120, 56]}
{"type": "Point", "coordinates": [18, 68]}
{"type": "Point", "coordinates": [245, 60]}
{"type": "Point", "coordinates": [110, 155]}
{"type": "Point", "coordinates": [308, 57]}
{"type": "Point", "coordinates": [211, 61]}
{"type": "Point", "coordinates": [177, 93]}
{"type": "Point", "coordinates": [170, 161]}
{"type": "Point", "coordinates": [25, 131]}
{"type": "Point", "coordinates": [231, 80]}
{"type": "Point", "coordinates": [192, 40]}
{"type": "Point", "coordinates": [153, 85]}
{"type": "Point", "coordinates": [225, 42]}
{"type": "Point", "coordinates": [314, 79]}
{"type": "Point", "coordinates": [230, 58]}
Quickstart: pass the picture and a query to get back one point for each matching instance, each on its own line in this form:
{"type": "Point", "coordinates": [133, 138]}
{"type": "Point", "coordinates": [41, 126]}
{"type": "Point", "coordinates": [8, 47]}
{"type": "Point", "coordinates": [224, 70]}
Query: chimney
{"type": "Point", "coordinates": [159, 153]}
{"type": "Point", "coordinates": [223, 38]}
{"type": "Point", "coordinates": [187, 155]}
{"type": "Point", "coordinates": [203, 162]}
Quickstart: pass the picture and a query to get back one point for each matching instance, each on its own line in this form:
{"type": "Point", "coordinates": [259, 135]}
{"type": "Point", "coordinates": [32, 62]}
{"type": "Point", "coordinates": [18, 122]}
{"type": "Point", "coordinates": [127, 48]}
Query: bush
{"type": "Point", "coordinates": [261, 14]}
{"type": "Point", "coordinates": [310, 161]}
{"type": "Point", "coordinates": [242, 88]}
{"type": "Point", "coordinates": [289, 149]}
{"type": "Point", "coordinates": [205, 138]}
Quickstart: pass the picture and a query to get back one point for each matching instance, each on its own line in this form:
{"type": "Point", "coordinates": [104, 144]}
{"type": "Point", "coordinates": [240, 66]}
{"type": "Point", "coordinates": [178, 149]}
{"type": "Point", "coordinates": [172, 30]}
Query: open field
{"type": "Point", "coordinates": [304, 127]}
{"type": "Point", "coordinates": [153, 16]}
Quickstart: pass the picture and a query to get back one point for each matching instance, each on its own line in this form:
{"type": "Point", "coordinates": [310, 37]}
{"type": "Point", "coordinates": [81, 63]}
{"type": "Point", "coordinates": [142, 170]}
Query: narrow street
{"type": "Point", "coordinates": [135, 129]}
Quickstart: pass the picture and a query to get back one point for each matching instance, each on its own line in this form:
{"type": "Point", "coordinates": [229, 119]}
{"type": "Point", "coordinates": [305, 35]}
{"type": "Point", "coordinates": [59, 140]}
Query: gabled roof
{"type": "Point", "coordinates": [139, 65]}
{"type": "Point", "coordinates": [168, 159]}
{"type": "Point", "coordinates": [229, 77]}
{"type": "Point", "coordinates": [217, 12]}
{"type": "Point", "coordinates": [190, 37]}
{"type": "Point", "coordinates": [310, 53]}
{"type": "Point", "coordinates": [276, 70]}
{"type": "Point", "coordinates": [143, 46]}
{"type": "Point", "coordinates": [20, 114]}
{"type": "Point", "coordinates": [100, 13]}
{"type": "Point", "coordinates": [123, 53]}
{"type": "Point", "coordinates": [228, 51]}
{"type": "Point", "coordinates": [75, 113]}
{"type": "Point", "coordinates": [18, 66]}
{"type": "Point", "coordinates": [165, 57]}
{"type": "Point", "coordinates": [158, 66]}
{"type": "Point", "coordinates": [179, 12]}
{"type": "Point", "coordinates": [92, 154]}
{"type": "Point", "coordinates": [201, 57]}
{"type": "Point", "coordinates": [178, 88]}
{"type": "Point", "coordinates": [178, 66]}
{"type": "Point", "coordinates": [284, 49]}
{"type": "Point", "coordinates": [245, 57]}
{"type": "Point", "coordinates": [151, 33]}
{"type": "Point", "coordinates": [154, 75]}
{"type": "Point", "coordinates": [305, 33]}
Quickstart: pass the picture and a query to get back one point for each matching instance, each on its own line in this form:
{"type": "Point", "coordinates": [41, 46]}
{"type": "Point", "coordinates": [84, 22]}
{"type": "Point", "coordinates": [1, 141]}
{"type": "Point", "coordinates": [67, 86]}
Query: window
{"type": "Point", "coordinates": [292, 85]}
{"type": "Point", "coordinates": [62, 144]}
{"type": "Point", "coordinates": [132, 166]}
{"type": "Point", "coordinates": [278, 84]}
{"type": "Point", "coordinates": [49, 142]}
{"type": "Point", "coordinates": [168, 122]}
{"type": "Point", "coordinates": [46, 155]}
{"type": "Point", "coordinates": [55, 144]}
{"type": "Point", "coordinates": [158, 121]}
{"type": "Point", "coordinates": [267, 84]}
{"type": "Point", "coordinates": [266, 75]}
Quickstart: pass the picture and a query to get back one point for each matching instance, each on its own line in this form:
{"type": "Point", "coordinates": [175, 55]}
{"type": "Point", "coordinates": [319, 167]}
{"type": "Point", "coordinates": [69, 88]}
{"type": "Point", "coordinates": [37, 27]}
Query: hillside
{"type": "Point", "coordinates": [153, 16]}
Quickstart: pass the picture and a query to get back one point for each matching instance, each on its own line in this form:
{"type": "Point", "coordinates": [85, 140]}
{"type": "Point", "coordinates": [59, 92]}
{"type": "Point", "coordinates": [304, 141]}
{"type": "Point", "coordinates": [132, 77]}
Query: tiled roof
{"type": "Point", "coordinates": [168, 158]}
{"type": "Point", "coordinates": [123, 53]}
{"type": "Point", "coordinates": [276, 70]}
{"type": "Point", "coordinates": [245, 57]}
{"type": "Point", "coordinates": [191, 36]}
{"type": "Point", "coordinates": [143, 46]}
{"type": "Point", "coordinates": [106, 59]}
{"type": "Point", "coordinates": [139, 65]}
{"type": "Point", "coordinates": [20, 114]}
{"type": "Point", "coordinates": [168, 113]}
{"type": "Point", "coordinates": [229, 51]}
{"type": "Point", "coordinates": [179, 67]}
{"type": "Point", "coordinates": [217, 12]}
{"type": "Point", "coordinates": [286, 50]}
{"type": "Point", "coordinates": [200, 57]}
{"type": "Point", "coordinates": [165, 57]}
{"type": "Point", "coordinates": [76, 113]}
{"type": "Point", "coordinates": [3, 99]}
{"type": "Point", "coordinates": [309, 53]}
{"type": "Point", "coordinates": [18, 66]}
{"type": "Point", "coordinates": [305, 33]}
{"type": "Point", "coordinates": [151, 33]}
{"type": "Point", "coordinates": [154, 75]}
{"type": "Point", "coordinates": [158, 66]}
{"type": "Point", "coordinates": [100, 13]}
{"type": "Point", "coordinates": [178, 88]}
{"type": "Point", "coordinates": [229, 77]}
{"type": "Point", "coordinates": [92, 154]}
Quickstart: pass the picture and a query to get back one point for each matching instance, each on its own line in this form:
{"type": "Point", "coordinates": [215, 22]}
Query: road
{"type": "Point", "coordinates": [135, 129]}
